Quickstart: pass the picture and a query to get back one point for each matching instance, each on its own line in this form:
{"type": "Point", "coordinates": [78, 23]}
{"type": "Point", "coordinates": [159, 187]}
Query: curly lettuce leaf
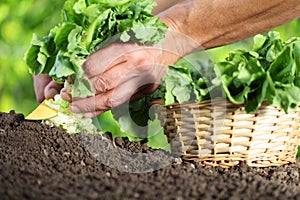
{"type": "Point", "coordinates": [270, 71]}
{"type": "Point", "coordinates": [189, 80]}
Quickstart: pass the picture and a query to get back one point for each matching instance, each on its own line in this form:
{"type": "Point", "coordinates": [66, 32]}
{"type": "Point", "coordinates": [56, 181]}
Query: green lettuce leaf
{"type": "Point", "coordinates": [270, 71]}
{"type": "Point", "coordinates": [157, 138]}
{"type": "Point", "coordinates": [109, 124]}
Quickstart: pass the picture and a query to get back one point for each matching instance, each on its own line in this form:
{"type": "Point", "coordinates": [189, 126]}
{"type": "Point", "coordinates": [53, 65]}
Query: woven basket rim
{"type": "Point", "coordinates": [217, 99]}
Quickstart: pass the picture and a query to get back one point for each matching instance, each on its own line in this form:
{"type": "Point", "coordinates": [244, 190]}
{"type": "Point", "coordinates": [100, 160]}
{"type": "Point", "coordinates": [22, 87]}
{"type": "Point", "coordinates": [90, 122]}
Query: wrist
{"type": "Point", "coordinates": [176, 45]}
{"type": "Point", "coordinates": [176, 42]}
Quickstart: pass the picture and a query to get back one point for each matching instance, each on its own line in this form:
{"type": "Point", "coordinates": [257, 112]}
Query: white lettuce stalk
{"type": "Point", "coordinates": [69, 121]}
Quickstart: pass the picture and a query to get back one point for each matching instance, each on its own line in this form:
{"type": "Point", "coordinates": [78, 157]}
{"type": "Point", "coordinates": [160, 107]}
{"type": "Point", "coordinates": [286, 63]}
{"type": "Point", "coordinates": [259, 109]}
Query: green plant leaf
{"type": "Point", "coordinates": [156, 137]}
{"type": "Point", "coordinates": [109, 124]}
{"type": "Point", "coordinates": [258, 42]}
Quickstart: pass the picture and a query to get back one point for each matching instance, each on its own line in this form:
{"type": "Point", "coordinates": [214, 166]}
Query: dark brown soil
{"type": "Point", "coordinates": [41, 162]}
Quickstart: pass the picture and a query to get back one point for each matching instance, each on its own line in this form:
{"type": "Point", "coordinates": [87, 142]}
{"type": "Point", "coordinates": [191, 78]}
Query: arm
{"type": "Point", "coordinates": [214, 23]}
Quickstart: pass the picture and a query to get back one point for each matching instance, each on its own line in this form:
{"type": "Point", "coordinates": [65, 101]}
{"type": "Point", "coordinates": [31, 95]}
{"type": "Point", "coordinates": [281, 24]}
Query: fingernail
{"type": "Point", "coordinates": [64, 89]}
{"type": "Point", "coordinates": [65, 96]}
{"type": "Point", "coordinates": [75, 109]}
{"type": "Point", "coordinates": [51, 93]}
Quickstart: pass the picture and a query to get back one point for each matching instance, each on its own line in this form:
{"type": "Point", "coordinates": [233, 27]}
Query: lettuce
{"type": "Point", "coordinates": [86, 26]}
{"type": "Point", "coordinates": [270, 71]}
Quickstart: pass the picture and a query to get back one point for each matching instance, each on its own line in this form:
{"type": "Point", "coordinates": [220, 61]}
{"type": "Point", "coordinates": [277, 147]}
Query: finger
{"type": "Point", "coordinates": [105, 101]}
{"type": "Point", "coordinates": [40, 82]}
{"type": "Point", "coordinates": [52, 89]}
{"type": "Point", "coordinates": [65, 95]}
{"type": "Point", "coordinates": [143, 91]}
{"type": "Point", "coordinates": [100, 102]}
{"type": "Point", "coordinates": [119, 74]}
{"type": "Point", "coordinates": [104, 59]}
{"type": "Point", "coordinates": [114, 97]}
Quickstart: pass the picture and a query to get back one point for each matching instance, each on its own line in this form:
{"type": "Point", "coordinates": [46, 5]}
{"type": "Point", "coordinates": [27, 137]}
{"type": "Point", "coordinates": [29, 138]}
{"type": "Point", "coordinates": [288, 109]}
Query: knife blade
{"type": "Point", "coordinates": [42, 112]}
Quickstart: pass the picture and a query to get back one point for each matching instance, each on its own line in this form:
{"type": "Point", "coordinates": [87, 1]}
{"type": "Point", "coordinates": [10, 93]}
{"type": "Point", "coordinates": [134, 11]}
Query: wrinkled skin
{"type": "Point", "coordinates": [128, 71]}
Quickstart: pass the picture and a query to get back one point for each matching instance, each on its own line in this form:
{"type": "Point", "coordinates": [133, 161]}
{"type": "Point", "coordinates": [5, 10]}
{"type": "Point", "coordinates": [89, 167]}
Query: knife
{"type": "Point", "coordinates": [42, 112]}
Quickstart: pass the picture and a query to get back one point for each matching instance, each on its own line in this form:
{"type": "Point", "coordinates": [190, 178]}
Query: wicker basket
{"type": "Point", "coordinates": [219, 133]}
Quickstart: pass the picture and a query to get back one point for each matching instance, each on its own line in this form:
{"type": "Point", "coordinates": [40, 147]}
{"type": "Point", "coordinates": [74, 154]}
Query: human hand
{"type": "Point", "coordinates": [45, 87]}
{"type": "Point", "coordinates": [118, 73]}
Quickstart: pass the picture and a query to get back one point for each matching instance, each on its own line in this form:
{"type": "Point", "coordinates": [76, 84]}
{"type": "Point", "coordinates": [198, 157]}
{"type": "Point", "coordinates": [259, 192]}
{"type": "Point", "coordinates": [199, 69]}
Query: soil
{"type": "Point", "coordinates": [42, 162]}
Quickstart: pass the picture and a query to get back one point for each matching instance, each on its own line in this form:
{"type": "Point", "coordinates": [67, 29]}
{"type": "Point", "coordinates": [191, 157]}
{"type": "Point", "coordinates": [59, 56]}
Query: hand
{"type": "Point", "coordinates": [45, 87]}
{"type": "Point", "coordinates": [118, 73]}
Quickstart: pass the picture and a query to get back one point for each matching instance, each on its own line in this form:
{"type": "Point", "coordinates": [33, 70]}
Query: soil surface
{"type": "Point", "coordinates": [42, 162]}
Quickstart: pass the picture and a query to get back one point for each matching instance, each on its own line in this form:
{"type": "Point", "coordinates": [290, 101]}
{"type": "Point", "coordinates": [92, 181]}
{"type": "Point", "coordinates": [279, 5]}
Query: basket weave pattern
{"type": "Point", "coordinates": [219, 133]}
